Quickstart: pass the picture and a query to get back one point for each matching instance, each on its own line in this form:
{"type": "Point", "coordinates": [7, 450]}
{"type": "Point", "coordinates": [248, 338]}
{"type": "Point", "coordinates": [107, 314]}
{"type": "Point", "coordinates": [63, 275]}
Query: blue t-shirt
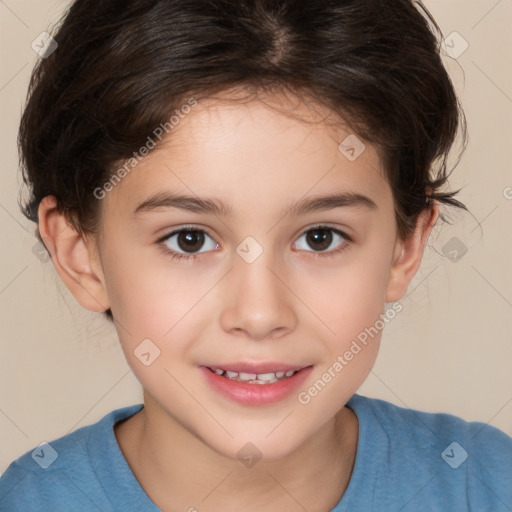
{"type": "Point", "coordinates": [407, 460]}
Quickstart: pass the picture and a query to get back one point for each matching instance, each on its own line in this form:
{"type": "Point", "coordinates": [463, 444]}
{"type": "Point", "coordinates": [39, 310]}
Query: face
{"type": "Point", "coordinates": [260, 283]}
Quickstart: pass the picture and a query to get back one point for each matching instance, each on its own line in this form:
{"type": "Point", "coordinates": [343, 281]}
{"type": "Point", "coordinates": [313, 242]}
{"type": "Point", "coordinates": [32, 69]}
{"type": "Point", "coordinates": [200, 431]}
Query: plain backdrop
{"type": "Point", "coordinates": [450, 348]}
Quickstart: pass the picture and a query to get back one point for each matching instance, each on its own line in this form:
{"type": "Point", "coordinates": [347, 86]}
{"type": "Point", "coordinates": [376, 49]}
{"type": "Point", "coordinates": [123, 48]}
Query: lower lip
{"type": "Point", "coordinates": [255, 394]}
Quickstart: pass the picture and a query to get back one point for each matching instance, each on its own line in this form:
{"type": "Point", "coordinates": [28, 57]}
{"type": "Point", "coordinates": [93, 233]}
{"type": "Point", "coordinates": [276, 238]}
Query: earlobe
{"type": "Point", "coordinates": [73, 256]}
{"type": "Point", "coordinates": [408, 254]}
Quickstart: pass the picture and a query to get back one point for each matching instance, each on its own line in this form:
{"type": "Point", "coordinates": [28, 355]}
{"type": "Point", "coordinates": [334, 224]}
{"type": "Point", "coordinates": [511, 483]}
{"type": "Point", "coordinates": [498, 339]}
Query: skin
{"type": "Point", "coordinates": [293, 304]}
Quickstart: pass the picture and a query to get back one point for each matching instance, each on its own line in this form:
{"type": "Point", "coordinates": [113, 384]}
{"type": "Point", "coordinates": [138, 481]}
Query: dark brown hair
{"type": "Point", "coordinates": [123, 66]}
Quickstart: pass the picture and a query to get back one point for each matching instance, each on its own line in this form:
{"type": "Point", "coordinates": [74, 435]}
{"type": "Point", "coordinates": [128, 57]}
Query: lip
{"type": "Point", "coordinates": [255, 394]}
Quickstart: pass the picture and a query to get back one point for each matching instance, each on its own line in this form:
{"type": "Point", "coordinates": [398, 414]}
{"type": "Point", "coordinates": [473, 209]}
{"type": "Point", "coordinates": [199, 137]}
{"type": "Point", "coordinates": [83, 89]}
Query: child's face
{"type": "Point", "coordinates": [293, 305]}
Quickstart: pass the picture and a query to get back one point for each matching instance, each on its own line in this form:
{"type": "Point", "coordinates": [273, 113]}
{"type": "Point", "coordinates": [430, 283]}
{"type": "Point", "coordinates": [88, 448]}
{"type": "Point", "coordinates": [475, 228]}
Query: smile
{"type": "Point", "coordinates": [255, 389]}
{"type": "Point", "coordinates": [254, 378]}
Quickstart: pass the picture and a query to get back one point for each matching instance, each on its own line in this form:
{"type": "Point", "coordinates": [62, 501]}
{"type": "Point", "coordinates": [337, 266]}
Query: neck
{"type": "Point", "coordinates": [179, 472]}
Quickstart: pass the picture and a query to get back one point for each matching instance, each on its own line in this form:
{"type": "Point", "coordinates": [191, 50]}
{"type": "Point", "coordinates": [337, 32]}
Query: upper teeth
{"type": "Point", "coordinates": [259, 378]}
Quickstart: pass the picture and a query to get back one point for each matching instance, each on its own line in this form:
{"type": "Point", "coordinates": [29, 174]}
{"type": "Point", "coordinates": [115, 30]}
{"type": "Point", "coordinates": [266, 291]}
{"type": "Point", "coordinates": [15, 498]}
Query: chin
{"type": "Point", "coordinates": [249, 450]}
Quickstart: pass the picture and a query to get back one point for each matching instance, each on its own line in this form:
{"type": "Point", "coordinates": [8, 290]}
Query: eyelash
{"type": "Point", "coordinates": [322, 254]}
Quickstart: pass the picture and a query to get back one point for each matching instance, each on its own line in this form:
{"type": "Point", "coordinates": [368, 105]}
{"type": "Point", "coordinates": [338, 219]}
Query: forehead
{"type": "Point", "coordinates": [274, 148]}
{"type": "Point", "coordinates": [281, 124]}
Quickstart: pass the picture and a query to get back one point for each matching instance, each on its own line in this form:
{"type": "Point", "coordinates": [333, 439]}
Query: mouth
{"type": "Point", "coordinates": [255, 378]}
{"type": "Point", "coordinates": [255, 384]}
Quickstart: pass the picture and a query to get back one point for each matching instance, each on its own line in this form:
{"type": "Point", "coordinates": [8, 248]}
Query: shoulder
{"type": "Point", "coordinates": [61, 474]}
{"type": "Point", "coordinates": [448, 457]}
{"type": "Point", "coordinates": [412, 425]}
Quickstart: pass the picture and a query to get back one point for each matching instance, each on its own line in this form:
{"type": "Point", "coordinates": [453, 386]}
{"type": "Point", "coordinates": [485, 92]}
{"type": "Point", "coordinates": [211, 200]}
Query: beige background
{"type": "Point", "coordinates": [449, 350]}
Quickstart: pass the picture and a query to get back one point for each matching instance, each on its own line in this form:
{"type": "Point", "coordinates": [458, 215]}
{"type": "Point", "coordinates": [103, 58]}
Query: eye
{"type": "Point", "coordinates": [186, 242]}
{"type": "Point", "coordinates": [321, 238]}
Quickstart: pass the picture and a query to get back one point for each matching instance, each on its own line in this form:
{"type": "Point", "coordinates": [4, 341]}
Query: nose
{"type": "Point", "coordinates": [258, 302]}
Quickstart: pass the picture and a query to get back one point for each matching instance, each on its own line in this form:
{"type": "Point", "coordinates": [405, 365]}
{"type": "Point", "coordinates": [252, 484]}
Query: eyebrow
{"type": "Point", "coordinates": [216, 207]}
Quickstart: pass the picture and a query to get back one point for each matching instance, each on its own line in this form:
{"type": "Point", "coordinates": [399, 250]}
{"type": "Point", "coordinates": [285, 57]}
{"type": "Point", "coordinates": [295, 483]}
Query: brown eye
{"type": "Point", "coordinates": [322, 238]}
{"type": "Point", "coordinates": [319, 239]}
{"type": "Point", "coordinates": [188, 241]}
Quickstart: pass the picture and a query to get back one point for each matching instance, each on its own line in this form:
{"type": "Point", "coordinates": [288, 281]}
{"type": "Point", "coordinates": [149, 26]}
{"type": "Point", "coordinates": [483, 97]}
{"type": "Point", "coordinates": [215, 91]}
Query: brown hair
{"type": "Point", "coordinates": [122, 66]}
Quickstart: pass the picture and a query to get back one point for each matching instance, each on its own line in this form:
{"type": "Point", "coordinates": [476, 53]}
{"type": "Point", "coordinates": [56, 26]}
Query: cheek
{"type": "Point", "coordinates": [165, 303]}
{"type": "Point", "coordinates": [150, 297]}
{"type": "Point", "coordinates": [350, 301]}
{"type": "Point", "coordinates": [351, 305]}
{"type": "Point", "coordinates": [347, 296]}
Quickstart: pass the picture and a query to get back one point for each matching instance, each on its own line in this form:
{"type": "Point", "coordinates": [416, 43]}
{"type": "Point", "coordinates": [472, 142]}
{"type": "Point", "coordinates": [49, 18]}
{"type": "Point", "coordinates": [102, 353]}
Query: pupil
{"type": "Point", "coordinates": [190, 240]}
{"type": "Point", "coordinates": [322, 236]}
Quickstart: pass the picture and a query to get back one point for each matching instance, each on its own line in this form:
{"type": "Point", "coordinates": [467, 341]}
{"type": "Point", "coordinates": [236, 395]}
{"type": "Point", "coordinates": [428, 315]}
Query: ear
{"type": "Point", "coordinates": [409, 253]}
{"type": "Point", "coordinates": [75, 257]}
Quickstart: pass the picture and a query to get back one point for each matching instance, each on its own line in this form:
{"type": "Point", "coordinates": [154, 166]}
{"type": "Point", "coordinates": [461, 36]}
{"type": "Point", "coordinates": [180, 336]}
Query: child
{"type": "Point", "coordinates": [245, 188]}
